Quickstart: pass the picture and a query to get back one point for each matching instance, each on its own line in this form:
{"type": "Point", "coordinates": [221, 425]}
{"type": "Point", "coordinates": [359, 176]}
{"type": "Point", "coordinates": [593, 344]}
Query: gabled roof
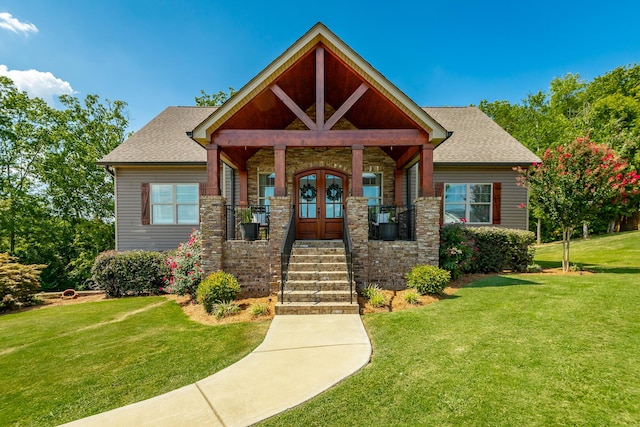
{"type": "Point", "coordinates": [476, 140]}
{"type": "Point", "coordinates": [163, 140]}
{"type": "Point", "coordinates": [318, 34]}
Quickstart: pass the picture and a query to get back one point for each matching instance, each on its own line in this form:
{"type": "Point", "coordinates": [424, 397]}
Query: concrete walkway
{"type": "Point", "coordinates": [301, 356]}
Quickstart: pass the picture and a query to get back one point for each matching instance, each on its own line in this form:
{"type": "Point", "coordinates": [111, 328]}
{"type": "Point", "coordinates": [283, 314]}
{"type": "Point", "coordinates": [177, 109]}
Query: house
{"type": "Point", "coordinates": [320, 146]}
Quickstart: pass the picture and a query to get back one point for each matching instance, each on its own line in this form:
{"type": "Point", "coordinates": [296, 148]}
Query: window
{"type": "Point", "coordinates": [266, 184]}
{"type": "Point", "coordinates": [372, 188]}
{"type": "Point", "coordinates": [471, 202]}
{"type": "Point", "coordinates": [174, 204]}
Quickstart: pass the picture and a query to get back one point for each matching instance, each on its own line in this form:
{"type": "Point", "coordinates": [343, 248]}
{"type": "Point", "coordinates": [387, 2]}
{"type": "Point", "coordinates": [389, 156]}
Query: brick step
{"type": "Point", "coordinates": [318, 244]}
{"type": "Point", "coordinates": [317, 275]}
{"type": "Point", "coordinates": [316, 258]}
{"type": "Point", "coordinates": [317, 308]}
{"type": "Point", "coordinates": [314, 285]}
{"type": "Point", "coordinates": [317, 251]}
{"type": "Point", "coordinates": [319, 296]}
{"type": "Point", "coordinates": [318, 266]}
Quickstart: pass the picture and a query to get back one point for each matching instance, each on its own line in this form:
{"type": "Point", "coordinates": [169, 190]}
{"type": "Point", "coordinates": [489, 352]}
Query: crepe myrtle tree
{"type": "Point", "coordinates": [577, 182]}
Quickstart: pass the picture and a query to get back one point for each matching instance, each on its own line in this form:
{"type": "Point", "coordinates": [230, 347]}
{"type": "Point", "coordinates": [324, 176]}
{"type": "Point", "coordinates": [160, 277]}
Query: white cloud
{"type": "Point", "coordinates": [8, 22]}
{"type": "Point", "coordinates": [38, 83]}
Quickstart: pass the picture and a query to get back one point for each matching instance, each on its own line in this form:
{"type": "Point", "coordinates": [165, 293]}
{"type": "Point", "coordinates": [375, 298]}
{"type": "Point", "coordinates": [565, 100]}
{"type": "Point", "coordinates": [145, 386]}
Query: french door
{"type": "Point", "coordinates": [319, 204]}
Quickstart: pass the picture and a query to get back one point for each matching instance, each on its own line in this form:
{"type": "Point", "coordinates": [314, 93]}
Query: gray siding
{"type": "Point", "coordinates": [130, 233]}
{"type": "Point", "coordinates": [512, 195]}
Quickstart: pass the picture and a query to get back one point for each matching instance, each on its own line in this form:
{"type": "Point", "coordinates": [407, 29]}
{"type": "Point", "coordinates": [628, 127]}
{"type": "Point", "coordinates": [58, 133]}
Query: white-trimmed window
{"type": "Point", "coordinates": [471, 202]}
{"type": "Point", "coordinates": [372, 188]}
{"type": "Point", "coordinates": [174, 204]}
{"type": "Point", "coordinates": [266, 186]}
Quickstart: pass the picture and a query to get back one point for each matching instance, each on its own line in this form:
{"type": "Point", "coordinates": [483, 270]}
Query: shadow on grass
{"type": "Point", "coordinates": [500, 281]}
{"type": "Point", "coordinates": [597, 268]}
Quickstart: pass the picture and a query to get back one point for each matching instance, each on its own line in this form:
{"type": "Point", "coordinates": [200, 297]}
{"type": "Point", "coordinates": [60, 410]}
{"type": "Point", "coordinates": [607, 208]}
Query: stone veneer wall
{"type": "Point", "coordinates": [428, 229]}
{"type": "Point", "coordinates": [212, 226]}
{"type": "Point", "coordinates": [358, 223]}
{"type": "Point", "coordinates": [279, 216]}
{"type": "Point", "coordinates": [249, 263]}
{"type": "Point", "coordinates": [389, 261]}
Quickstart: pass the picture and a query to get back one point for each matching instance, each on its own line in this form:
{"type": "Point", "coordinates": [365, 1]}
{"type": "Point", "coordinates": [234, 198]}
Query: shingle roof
{"type": "Point", "coordinates": [163, 140]}
{"type": "Point", "coordinates": [476, 140]}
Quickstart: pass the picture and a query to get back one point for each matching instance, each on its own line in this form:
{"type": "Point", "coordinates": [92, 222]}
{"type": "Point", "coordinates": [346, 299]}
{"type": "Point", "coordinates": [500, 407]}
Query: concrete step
{"type": "Point", "coordinates": [317, 275]}
{"type": "Point", "coordinates": [315, 285]}
{"type": "Point", "coordinates": [319, 296]}
{"type": "Point", "coordinates": [318, 244]}
{"type": "Point", "coordinates": [317, 308]}
{"type": "Point", "coordinates": [318, 266]}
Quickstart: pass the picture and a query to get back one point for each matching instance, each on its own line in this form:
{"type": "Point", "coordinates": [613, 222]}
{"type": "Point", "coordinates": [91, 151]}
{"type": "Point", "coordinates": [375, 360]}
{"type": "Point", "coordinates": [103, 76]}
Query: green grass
{"type": "Point", "coordinates": [512, 350]}
{"type": "Point", "coordinates": [63, 363]}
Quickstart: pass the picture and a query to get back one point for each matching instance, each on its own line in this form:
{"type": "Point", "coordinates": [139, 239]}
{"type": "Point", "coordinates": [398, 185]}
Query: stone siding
{"type": "Point", "coordinates": [428, 229]}
{"type": "Point", "coordinates": [358, 223]}
{"type": "Point", "coordinates": [280, 214]}
{"type": "Point", "coordinates": [390, 261]}
{"type": "Point", "coordinates": [249, 263]}
{"type": "Point", "coordinates": [212, 226]}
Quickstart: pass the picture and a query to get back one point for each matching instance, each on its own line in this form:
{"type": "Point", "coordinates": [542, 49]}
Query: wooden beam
{"type": "Point", "coordinates": [397, 197]}
{"type": "Point", "coordinates": [244, 187]}
{"type": "Point", "coordinates": [407, 157]}
{"type": "Point", "coordinates": [346, 106]}
{"type": "Point", "coordinates": [291, 104]}
{"type": "Point", "coordinates": [307, 138]}
{"type": "Point", "coordinates": [213, 170]}
{"type": "Point", "coordinates": [236, 160]}
{"type": "Point", "coordinates": [426, 171]}
{"type": "Point", "coordinates": [320, 88]}
{"type": "Point", "coordinates": [356, 170]}
{"type": "Point", "coordinates": [280, 188]}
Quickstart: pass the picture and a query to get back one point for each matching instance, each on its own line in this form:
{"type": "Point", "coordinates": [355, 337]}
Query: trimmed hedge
{"type": "Point", "coordinates": [130, 273]}
{"type": "Point", "coordinates": [428, 279]}
{"type": "Point", "coordinates": [484, 249]}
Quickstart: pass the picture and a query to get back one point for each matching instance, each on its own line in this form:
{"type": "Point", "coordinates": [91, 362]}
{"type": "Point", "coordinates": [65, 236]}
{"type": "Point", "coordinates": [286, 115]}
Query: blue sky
{"type": "Point", "coordinates": [152, 54]}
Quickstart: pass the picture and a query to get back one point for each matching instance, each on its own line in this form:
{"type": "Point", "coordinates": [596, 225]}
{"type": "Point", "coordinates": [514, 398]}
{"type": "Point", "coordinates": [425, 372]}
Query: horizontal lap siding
{"type": "Point", "coordinates": [512, 195]}
{"type": "Point", "coordinates": [130, 233]}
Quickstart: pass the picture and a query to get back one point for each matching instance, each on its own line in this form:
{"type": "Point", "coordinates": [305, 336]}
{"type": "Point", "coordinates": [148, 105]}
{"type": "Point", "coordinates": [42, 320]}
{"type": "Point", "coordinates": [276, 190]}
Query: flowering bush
{"type": "Point", "coordinates": [457, 249]}
{"type": "Point", "coordinates": [185, 266]}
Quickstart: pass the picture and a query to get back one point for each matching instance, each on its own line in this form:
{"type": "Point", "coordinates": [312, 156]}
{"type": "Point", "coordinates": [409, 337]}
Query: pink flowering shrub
{"type": "Point", "coordinates": [185, 267]}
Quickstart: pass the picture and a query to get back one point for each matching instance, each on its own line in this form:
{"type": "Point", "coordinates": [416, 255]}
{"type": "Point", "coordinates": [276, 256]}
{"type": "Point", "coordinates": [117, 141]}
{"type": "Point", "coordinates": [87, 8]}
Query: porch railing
{"type": "Point", "coordinates": [348, 250]}
{"type": "Point", "coordinates": [285, 252]}
{"type": "Point", "coordinates": [256, 214]}
{"type": "Point", "coordinates": [403, 216]}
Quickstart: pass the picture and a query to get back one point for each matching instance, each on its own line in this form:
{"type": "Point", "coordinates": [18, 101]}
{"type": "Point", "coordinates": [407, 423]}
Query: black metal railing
{"type": "Point", "coordinates": [348, 251]}
{"type": "Point", "coordinates": [251, 222]}
{"type": "Point", "coordinates": [392, 222]}
{"type": "Point", "coordinates": [285, 252]}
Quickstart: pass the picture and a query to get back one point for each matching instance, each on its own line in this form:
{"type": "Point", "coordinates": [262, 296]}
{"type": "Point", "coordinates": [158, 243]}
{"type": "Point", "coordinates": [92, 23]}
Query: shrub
{"type": "Point", "coordinates": [224, 309]}
{"type": "Point", "coordinates": [18, 283]}
{"type": "Point", "coordinates": [534, 268]}
{"type": "Point", "coordinates": [185, 266]}
{"type": "Point", "coordinates": [428, 279]}
{"type": "Point", "coordinates": [502, 249]}
{"type": "Point", "coordinates": [377, 299]}
{"type": "Point", "coordinates": [129, 273]}
{"type": "Point", "coordinates": [258, 309]}
{"type": "Point", "coordinates": [411, 296]}
{"type": "Point", "coordinates": [218, 287]}
{"type": "Point", "coordinates": [370, 290]}
{"type": "Point", "coordinates": [457, 249]}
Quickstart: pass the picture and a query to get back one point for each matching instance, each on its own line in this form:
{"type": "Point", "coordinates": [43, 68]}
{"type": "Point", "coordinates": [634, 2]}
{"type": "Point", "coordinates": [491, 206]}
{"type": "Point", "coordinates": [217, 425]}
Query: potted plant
{"type": "Point", "coordinates": [248, 228]}
{"type": "Point", "coordinates": [389, 229]}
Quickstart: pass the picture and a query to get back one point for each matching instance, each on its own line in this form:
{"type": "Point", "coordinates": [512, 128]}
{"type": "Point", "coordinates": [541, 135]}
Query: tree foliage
{"type": "Point", "coordinates": [56, 204]}
{"type": "Point", "coordinates": [578, 182]}
{"type": "Point", "coordinates": [213, 99]}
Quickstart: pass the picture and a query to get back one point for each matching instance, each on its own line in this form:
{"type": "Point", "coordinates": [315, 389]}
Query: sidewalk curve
{"type": "Point", "coordinates": [300, 357]}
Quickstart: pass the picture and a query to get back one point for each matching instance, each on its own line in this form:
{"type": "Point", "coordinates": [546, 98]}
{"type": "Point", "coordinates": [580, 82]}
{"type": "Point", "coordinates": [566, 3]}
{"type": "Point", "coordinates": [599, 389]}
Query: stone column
{"type": "Point", "coordinates": [213, 214]}
{"type": "Point", "coordinates": [358, 223]}
{"type": "Point", "coordinates": [279, 216]}
{"type": "Point", "coordinates": [428, 229]}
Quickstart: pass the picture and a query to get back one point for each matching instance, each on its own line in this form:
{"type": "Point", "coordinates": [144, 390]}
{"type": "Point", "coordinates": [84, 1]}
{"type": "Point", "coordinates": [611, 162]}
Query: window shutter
{"type": "Point", "coordinates": [439, 187]}
{"type": "Point", "coordinates": [497, 198]}
{"type": "Point", "coordinates": [146, 205]}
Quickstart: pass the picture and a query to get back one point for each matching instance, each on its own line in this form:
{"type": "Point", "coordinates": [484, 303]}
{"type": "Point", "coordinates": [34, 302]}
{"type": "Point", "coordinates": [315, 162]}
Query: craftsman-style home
{"type": "Point", "coordinates": [317, 175]}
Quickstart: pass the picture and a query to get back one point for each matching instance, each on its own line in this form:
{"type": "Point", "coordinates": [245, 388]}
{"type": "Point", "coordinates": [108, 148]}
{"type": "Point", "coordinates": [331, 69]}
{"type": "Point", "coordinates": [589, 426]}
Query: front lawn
{"type": "Point", "coordinates": [527, 349]}
{"type": "Point", "coordinates": [62, 363]}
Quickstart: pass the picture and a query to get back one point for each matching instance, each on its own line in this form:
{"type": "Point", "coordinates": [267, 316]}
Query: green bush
{"type": "Point", "coordinates": [428, 279]}
{"type": "Point", "coordinates": [225, 309]}
{"type": "Point", "coordinates": [377, 299]}
{"type": "Point", "coordinates": [370, 290]}
{"type": "Point", "coordinates": [457, 249]}
{"type": "Point", "coordinates": [217, 288]}
{"type": "Point", "coordinates": [411, 296]}
{"type": "Point", "coordinates": [501, 249]}
{"type": "Point", "coordinates": [258, 309]}
{"type": "Point", "coordinates": [18, 283]}
{"type": "Point", "coordinates": [130, 273]}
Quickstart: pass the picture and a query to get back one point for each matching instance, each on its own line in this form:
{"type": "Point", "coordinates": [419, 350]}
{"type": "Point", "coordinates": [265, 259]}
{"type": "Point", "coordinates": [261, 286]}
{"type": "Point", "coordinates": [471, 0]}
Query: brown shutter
{"type": "Point", "coordinates": [439, 187]}
{"type": "Point", "coordinates": [497, 198]}
{"type": "Point", "coordinates": [146, 206]}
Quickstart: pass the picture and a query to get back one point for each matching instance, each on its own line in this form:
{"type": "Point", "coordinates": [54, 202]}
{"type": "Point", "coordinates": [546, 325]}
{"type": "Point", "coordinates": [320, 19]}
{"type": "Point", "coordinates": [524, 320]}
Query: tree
{"type": "Point", "coordinates": [213, 99]}
{"type": "Point", "coordinates": [577, 182]}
